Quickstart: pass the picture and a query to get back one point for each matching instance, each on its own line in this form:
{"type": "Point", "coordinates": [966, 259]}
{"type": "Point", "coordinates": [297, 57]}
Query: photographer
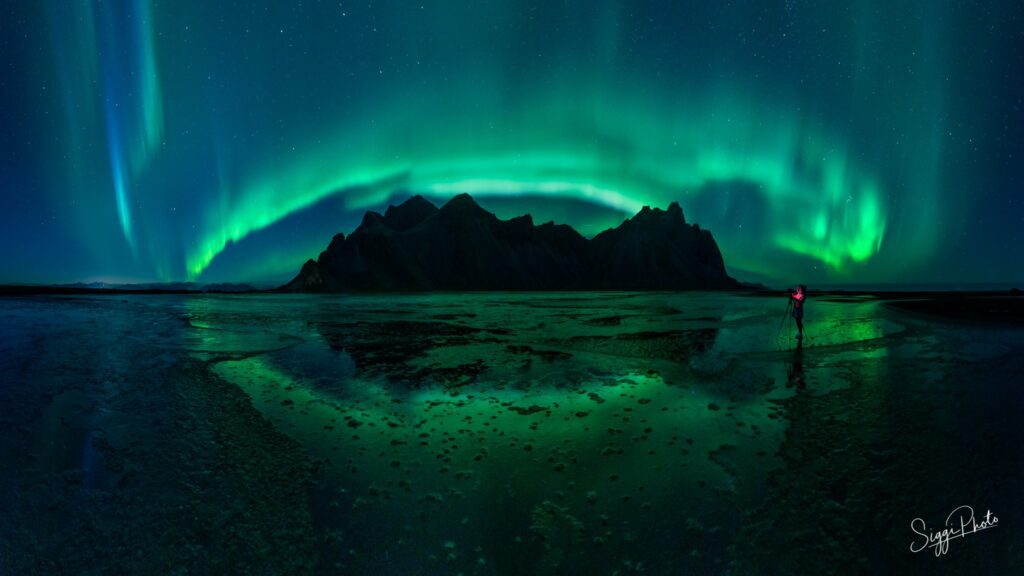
{"type": "Point", "coordinates": [799, 296]}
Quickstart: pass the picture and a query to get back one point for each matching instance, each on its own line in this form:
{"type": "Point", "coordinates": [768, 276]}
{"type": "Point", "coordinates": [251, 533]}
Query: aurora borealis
{"type": "Point", "coordinates": [223, 141]}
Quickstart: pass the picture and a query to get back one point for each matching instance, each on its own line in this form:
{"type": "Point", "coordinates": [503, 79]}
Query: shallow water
{"type": "Point", "coordinates": [501, 434]}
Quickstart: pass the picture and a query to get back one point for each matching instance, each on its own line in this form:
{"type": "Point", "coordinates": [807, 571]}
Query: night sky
{"type": "Point", "coordinates": [841, 142]}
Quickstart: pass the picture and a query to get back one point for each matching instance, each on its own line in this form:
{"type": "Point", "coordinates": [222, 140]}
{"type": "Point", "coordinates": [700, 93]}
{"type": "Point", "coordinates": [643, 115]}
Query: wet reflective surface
{"type": "Point", "coordinates": [501, 434]}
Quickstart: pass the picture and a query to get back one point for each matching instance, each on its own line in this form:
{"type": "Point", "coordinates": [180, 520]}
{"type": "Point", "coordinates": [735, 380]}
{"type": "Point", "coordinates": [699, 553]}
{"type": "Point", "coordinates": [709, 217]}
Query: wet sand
{"type": "Point", "coordinates": [500, 434]}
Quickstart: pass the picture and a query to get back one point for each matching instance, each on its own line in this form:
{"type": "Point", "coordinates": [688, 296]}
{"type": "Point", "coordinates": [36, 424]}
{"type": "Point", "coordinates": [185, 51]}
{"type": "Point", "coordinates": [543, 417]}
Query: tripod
{"type": "Point", "coordinates": [789, 304]}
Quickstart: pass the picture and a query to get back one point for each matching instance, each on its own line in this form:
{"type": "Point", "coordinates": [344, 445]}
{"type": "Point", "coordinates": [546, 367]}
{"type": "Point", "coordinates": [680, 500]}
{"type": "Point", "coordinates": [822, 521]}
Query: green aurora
{"type": "Point", "coordinates": [671, 151]}
{"type": "Point", "coordinates": [220, 143]}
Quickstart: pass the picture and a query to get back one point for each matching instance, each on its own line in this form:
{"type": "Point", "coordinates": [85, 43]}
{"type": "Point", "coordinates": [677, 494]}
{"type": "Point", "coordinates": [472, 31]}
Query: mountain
{"type": "Point", "coordinates": [417, 246]}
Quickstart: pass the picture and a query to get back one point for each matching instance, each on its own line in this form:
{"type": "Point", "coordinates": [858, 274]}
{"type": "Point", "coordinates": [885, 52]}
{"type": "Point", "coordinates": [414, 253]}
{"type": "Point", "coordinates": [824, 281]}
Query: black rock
{"type": "Point", "coordinates": [416, 246]}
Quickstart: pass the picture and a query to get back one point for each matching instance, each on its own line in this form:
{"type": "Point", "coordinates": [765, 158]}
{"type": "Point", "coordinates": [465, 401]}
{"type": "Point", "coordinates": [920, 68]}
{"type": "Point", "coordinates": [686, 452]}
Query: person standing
{"type": "Point", "coordinates": [799, 297]}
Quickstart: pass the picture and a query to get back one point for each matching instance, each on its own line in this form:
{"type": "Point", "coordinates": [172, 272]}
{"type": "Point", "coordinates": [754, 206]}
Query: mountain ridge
{"type": "Point", "coordinates": [417, 246]}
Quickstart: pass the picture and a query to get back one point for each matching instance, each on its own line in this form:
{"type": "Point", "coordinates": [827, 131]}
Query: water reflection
{"type": "Point", "coordinates": [795, 373]}
{"type": "Point", "coordinates": [666, 429]}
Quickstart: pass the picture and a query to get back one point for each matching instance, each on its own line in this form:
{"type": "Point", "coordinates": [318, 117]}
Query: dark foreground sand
{"type": "Point", "coordinates": [504, 434]}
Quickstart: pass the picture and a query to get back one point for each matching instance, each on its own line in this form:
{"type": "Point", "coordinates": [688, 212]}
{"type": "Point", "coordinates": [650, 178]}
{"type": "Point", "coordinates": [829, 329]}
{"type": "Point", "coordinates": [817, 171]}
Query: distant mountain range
{"type": "Point", "coordinates": [162, 286]}
{"type": "Point", "coordinates": [101, 288]}
{"type": "Point", "coordinates": [417, 246]}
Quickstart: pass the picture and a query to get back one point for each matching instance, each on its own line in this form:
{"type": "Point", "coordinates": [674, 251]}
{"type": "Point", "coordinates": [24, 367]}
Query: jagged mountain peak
{"type": "Point", "coordinates": [410, 213]}
{"type": "Point", "coordinates": [462, 246]}
{"type": "Point", "coordinates": [465, 205]}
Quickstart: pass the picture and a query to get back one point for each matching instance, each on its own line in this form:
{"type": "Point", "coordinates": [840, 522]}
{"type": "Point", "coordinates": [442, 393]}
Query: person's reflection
{"type": "Point", "coordinates": [795, 374]}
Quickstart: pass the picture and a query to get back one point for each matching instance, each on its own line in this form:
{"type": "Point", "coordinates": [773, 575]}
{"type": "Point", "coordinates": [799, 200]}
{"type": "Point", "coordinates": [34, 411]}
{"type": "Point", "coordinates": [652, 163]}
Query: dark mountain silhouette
{"type": "Point", "coordinates": [416, 246]}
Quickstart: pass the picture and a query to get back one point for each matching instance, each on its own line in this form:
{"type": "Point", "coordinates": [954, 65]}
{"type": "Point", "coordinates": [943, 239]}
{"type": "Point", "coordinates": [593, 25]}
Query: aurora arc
{"type": "Point", "coordinates": [216, 142]}
{"type": "Point", "coordinates": [668, 155]}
